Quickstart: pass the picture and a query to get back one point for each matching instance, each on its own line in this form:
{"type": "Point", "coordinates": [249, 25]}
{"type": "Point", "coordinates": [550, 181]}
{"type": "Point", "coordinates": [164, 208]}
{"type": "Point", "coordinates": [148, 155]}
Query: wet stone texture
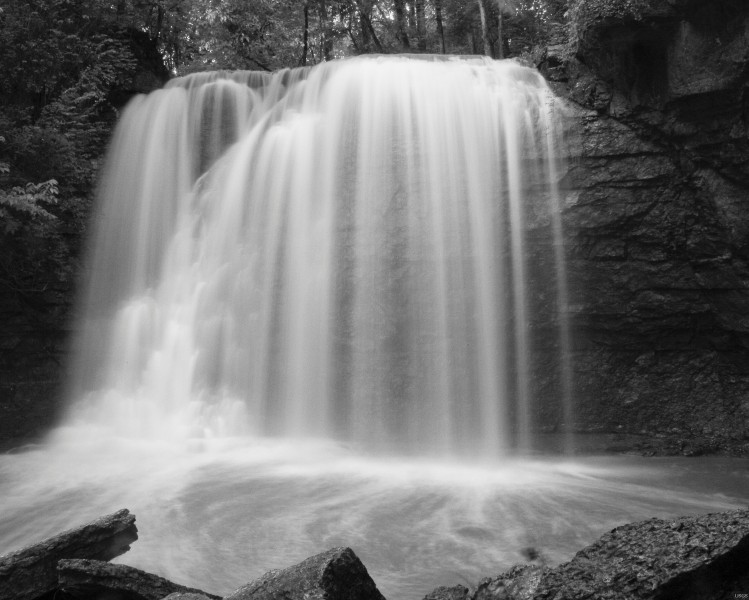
{"type": "Point", "coordinates": [657, 221]}
{"type": "Point", "coordinates": [33, 343]}
{"type": "Point", "coordinates": [689, 558]}
{"type": "Point", "coordinates": [337, 574]}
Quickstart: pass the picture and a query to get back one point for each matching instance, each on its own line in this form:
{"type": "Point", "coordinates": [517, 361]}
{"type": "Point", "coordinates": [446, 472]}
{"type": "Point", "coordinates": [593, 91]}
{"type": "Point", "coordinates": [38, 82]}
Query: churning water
{"type": "Point", "coordinates": [310, 322]}
{"type": "Point", "coordinates": [216, 515]}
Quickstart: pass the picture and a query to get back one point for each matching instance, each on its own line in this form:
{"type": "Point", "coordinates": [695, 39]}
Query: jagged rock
{"type": "Point", "coordinates": [689, 558]}
{"type": "Point", "coordinates": [458, 592]}
{"type": "Point", "coordinates": [185, 596]}
{"type": "Point", "coordinates": [652, 51]}
{"type": "Point", "coordinates": [656, 215]}
{"type": "Point", "coordinates": [519, 583]}
{"type": "Point", "coordinates": [31, 572]}
{"type": "Point", "coordinates": [92, 579]}
{"type": "Point", "coordinates": [333, 575]}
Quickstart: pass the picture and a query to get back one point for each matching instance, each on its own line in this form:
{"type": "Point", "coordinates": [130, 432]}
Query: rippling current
{"type": "Point", "coordinates": [216, 515]}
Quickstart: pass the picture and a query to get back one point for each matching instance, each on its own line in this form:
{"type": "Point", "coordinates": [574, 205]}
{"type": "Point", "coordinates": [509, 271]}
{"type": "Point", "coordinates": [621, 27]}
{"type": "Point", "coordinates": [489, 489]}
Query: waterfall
{"type": "Point", "coordinates": [339, 252]}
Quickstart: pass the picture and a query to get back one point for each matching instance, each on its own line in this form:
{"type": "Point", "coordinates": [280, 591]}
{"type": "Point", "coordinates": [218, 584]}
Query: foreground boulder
{"type": "Point", "coordinates": [94, 579]}
{"type": "Point", "coordinates": [337, 574]}
{"type": "Point", "coordinates": [689, 558]}
{"type": "Point", "coordinates": [703, 557]}
{"type": "Point", "coordinates": [32, 572]}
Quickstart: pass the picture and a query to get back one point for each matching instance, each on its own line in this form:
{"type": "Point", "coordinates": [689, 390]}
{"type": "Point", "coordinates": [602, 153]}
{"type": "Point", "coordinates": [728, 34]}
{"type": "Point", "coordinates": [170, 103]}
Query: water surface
{"type": "Point", "coordinates": [215, 515]}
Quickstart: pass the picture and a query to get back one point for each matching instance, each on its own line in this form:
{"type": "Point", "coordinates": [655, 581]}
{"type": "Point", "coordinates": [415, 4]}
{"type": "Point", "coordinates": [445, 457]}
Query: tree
{"type": "Point", "coordinates": [400, 19]}
{"type": "Point", "coordinates": [420, 25]}
{"type": "Point", "coordinates": [60, 63]}
{"type": "Point", "coordinates": [484, 28]}
{"type": "Point", "coordinates": [440, 25]}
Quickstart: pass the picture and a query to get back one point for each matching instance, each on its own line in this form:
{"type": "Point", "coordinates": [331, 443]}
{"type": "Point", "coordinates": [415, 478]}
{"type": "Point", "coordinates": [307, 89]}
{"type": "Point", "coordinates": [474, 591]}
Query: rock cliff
{"type": "Point", "coordinates": [37, 287]}
{"type": "Point", "coordinates": [657, 218]}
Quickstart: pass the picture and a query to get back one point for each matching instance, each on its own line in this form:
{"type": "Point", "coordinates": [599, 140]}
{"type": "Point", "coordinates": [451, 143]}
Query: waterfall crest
{"type": "Point", "coordinates": [339, 252]}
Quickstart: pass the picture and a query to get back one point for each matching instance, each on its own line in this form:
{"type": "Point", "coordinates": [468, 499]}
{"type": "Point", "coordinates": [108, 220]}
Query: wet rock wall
{"type": "Point", "coordinates": [657, 221]}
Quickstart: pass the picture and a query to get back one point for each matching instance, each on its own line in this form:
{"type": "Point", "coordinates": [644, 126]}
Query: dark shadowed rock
{"type": "Point", "coordinates": [519, 583]}
{"type": "Point", "coordinates": [656, 218]}
{"type": "Point", "coordinates": [32, 571]}
{"type": "Point", "coordinates": [92, 580]}
{"type": "Point", "coordinates": [650, 52]}
{"type": "Point", "coordinates": [689, 558]}
{"type": "Point", "coordinates": [333, 575]}
{"type": "Point", "coordinates": [458, 592]}
{"type": "Point", "coordinates": [186, 596]}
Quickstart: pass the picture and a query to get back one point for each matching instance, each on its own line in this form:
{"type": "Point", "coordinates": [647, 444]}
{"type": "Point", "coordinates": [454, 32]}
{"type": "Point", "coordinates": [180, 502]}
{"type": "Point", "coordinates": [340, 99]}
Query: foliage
{"type": "Point", "coordinates": [582, 12]}
{"type": "Point", "coordinates": [195, 35]}
{"type": "Point", "coordinates": [531, 22]}
{"type": "Point", "coordinates": [239, 34]}
{"type": "Point", "coordinates": [59, 62]}
{"type": "Point", "coordinates": [25, 201]}
{"type": "Point", "coordinates": [603, 9]}
{"type": "Point", "coordinates": [34, 250]}
{"type": "Point", "coordinates": [29, 201]}
{"type": "Point", "coordinates": [64, 62]}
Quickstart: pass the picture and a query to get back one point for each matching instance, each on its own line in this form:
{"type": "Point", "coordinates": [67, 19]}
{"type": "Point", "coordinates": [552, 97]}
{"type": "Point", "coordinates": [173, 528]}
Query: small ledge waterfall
{"type": "Point", "coordinates": [336, 252]}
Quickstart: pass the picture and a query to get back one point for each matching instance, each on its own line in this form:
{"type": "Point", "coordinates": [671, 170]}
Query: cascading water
{"type": "Point", "coordinates": [337, 252]}
{"type": "Point", "coordinates": [366, 255]}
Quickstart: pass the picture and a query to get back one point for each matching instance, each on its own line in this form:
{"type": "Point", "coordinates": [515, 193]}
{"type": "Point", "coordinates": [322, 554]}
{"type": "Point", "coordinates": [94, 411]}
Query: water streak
{"type": "Point", "coordinates": [331, 252]}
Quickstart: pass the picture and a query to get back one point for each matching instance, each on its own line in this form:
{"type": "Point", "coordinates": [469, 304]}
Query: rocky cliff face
{"type": "Point", "coordinates": [657, 214]}
{"type": "Point", "coordinates": [36, 300]}
{"type": "Point", "coordinates": [33, 341]}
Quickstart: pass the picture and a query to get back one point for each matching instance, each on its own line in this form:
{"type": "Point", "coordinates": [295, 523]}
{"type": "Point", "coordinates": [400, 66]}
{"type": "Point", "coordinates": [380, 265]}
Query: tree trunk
{"type": "Point", "coordinates": [400, 20]}
{"type": "Point", "coordinates": [159, 21]}
{"type": "Point", "coordinates": [326, 44]}
{"type": "Point", "coordinates": [352, 37]}
{"type": "Point", "coordinates": [421, 29]}
{"type": "Point", "coordinates": [411, 19]}
{"type": "Point", "coordinates": [440, 27]}
{"type": "Point", "coordinates": [305, 35]}
{"type": "Point", "coordinates": [370, 28]}
{"type": "Point", "coordinates": [31, 572]}
{"type": "Point", "coordinates": [366, 38]}
{"type": "Point", "coordinates": [98, 579]}
{"type": "Point", "coordinates": [500, 34]}
{"type": "Point", "coordinates": [368, 32]}
{"type": "Point", "coordinates": [484, 29]}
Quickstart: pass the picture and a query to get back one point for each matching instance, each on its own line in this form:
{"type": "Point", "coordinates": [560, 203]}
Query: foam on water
{"type": "Point", "coordinates": [217, 514]}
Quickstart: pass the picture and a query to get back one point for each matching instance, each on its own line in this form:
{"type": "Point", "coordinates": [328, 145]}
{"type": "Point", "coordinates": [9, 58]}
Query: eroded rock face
{"type": "Point", "coordinates": [653, 52]}
{"type": "Point", "coordinates": [337, 574]}
{"type": "Point", "coordinates": [657, 217]}
{"type": "Point", "coordinates": [688, 558]}
{"type": "Point", "coordinates": [95, 580]}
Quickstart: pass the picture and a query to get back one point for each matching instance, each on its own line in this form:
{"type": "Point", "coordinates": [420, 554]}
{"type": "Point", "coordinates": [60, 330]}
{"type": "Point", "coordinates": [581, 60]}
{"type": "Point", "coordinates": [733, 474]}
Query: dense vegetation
{"type": "Point", "coordinates": [67, 66]}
